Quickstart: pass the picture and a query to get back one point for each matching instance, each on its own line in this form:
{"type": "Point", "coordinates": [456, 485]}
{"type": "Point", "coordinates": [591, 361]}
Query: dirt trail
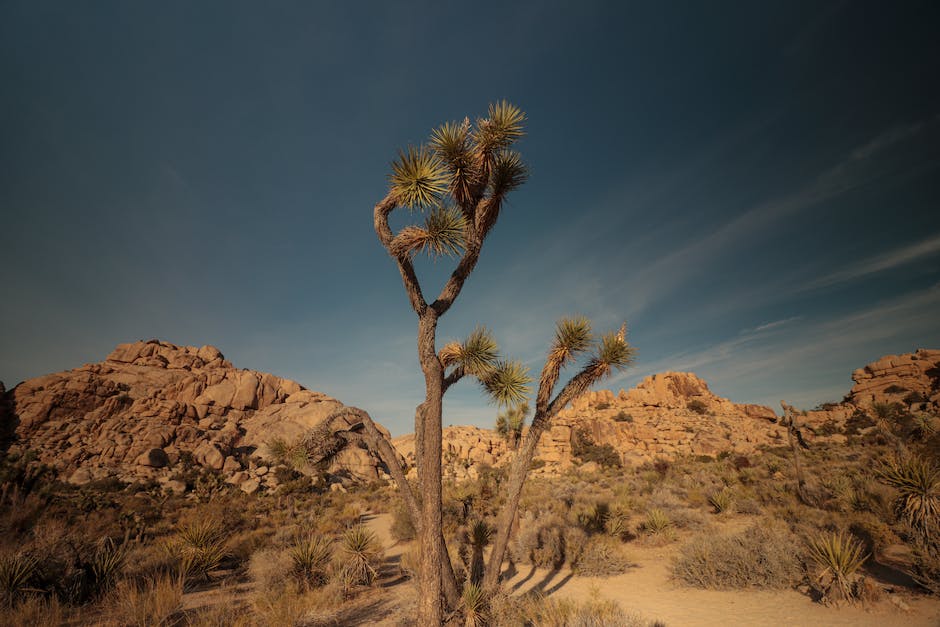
{"type": "Point", "coordinates": [648, 590]}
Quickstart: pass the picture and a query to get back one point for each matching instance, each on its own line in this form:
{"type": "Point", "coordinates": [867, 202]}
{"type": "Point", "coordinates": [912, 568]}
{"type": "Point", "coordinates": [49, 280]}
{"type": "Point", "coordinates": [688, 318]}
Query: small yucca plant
{"type": "Point", "coordinates": [657, 521]}
{"type": "Point", "coordinates": [359, 553]}
{"type": "Point", "coordinates": [918, 484]}
{"type": "Point", "coordinates": [107, 563]}
{"type": "Point", "coordinates": [479, 537]}
{"type": "Point", "coordinates": [722, 501]}
{"type": "Point", "coordinates": [475, 604]}
{"type": "Point", "coordinates": [17, 571]}
{"type": "Point", "coordinates": [200, 547]}
{"type": "Point", "coordinates": [311, 556]}
{"type": "Point", "coordinates": [839, 555]}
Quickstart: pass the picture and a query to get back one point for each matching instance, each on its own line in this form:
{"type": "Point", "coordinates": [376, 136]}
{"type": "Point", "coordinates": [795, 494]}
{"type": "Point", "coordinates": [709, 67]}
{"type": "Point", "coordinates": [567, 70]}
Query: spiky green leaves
{"type": "Point", "coordinates": [508, 173]}
{"type": "Point", "coordinates": [477, 355]}
{"type": "Point", "coordinates": [572, 337]}
{"type": "Point", "coordinates": [442, 234]}
{"type": "Point", "coordinates": [613, 353]}
{"type": "Point", "coordinates": [419, 177]}
{"type": "Point", "coordinates": [502, 127]}
{"type": "Point", "coordinates": [917, 481]}
{"type": "Point", "coordinates": [507, 383]}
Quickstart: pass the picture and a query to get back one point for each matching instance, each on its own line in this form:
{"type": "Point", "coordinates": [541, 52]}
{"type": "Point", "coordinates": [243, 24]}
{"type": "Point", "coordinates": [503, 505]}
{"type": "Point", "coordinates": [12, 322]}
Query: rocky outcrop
{"type": "Point", "coordinates": [152, 407]}
{"type": "Point", "coordinates": [912, 379]}
{"type": "Point", "coordinates": [674, 413]}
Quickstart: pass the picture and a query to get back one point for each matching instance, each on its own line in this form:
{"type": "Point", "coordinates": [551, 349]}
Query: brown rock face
{"type": "Point", "coordinates": [674, 413]}
{"type": "Point", "coordinates": [912, 379]}
{"type": "Point", "coordinates": [150, 403]}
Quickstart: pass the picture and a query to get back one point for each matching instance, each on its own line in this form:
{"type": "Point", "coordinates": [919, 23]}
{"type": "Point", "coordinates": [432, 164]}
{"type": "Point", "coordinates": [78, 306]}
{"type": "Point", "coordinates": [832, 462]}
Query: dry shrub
{"type": "Point", "coordinates": [270, 568]}
{"type": "Point", "coordinates": [534, 609]}
{"type": "Point", "coordinates": [403, 527]}
{"type": "Point", "coordinates": [223, 614]}
{"type": "Point", "coordinates": [762, 556]}
{"type": "Point", "coordinates": [149, 604]}
{"type": "Point", "coordinates": [540, 542]}
{"type": "Point", "coordinates": [36, 611]}
{"type": "Point", "coordinates": [292, 605]}
{"type": "Point", "coordinates": [602, 556]}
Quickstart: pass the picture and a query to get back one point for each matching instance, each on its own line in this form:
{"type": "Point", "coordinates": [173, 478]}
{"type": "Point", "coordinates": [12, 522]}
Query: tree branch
{"type": "Point", "coordinates": [453, 378]}
{"type": "Point", "coordinates": [380, 219]}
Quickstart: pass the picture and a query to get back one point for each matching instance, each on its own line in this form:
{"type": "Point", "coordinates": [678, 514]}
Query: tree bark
{"type": "Point", "coordinates": [522, 461]}
{"type": "Point", "coordinates": [793, 438]}
{"type": "Point", "coordinates": [433, 553]}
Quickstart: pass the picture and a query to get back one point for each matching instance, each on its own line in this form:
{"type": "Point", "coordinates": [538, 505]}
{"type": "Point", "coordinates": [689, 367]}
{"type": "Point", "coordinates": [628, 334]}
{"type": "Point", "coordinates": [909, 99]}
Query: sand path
{"type": "Point", "coordinates": [648, 590]}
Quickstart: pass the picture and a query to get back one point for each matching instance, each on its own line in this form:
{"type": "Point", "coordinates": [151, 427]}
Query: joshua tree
{"type": "Point", "coordinates": [795, 438]}
{"type": "Point", "coordinates": [509, 423]}
{"type": "Point", "coordinates": [460, 182]}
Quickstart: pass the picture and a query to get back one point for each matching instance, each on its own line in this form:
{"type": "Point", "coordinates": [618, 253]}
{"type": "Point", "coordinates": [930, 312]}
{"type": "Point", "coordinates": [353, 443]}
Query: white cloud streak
{"type": "Point", "coordinates": [879, 263]}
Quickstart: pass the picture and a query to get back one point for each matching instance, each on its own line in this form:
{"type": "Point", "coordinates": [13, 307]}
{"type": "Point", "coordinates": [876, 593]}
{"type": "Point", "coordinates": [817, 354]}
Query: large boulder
{"type": "Point", "coordinates": [151, 404]}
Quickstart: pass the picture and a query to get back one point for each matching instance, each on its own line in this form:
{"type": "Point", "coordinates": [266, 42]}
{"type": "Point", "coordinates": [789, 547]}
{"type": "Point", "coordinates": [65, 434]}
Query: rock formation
{"type": "Point", "coordinates": [674, 413]}
{"type": "Point", "coordinates": [912, 379]}
{"type": "Point", "coordinates": [152, 407]}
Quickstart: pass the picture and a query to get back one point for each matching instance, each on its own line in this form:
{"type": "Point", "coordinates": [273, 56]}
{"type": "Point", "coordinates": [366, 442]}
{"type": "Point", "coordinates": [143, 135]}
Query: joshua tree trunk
{"type": "Point", "coordinates": [795, 439]}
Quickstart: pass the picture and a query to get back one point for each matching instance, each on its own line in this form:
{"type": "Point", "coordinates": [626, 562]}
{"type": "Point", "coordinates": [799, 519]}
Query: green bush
{"type": "Point", "coordinates": [584, 448]}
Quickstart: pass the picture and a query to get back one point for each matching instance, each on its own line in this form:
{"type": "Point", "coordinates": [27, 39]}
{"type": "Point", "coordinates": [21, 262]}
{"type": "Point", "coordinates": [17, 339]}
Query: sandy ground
{"type": "Point", "coordinates": [648, 590]}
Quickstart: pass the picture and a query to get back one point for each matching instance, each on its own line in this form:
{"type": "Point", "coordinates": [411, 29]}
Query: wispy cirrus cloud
{"type": "Point", "coordinates": [879, 263]}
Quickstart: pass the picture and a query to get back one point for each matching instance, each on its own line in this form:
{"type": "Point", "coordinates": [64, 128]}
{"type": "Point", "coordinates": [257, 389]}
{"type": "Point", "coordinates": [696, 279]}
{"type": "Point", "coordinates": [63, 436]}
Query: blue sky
{"type": "Point", "coordinates": [753, 187]}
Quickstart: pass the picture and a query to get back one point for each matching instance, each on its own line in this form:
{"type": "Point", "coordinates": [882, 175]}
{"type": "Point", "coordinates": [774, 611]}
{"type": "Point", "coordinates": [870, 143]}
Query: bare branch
{"type": "Point", "coordinates": [380, 218]}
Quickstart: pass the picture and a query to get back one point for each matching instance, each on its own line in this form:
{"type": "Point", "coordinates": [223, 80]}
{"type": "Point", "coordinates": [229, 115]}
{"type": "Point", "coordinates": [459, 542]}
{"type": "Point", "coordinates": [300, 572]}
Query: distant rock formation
{"type": "Point", "coordinates": [674, 413]}
{"type": "Point", "coordinates": [151, 404]}
{"type": "Point", "coordinates": [912, 379]}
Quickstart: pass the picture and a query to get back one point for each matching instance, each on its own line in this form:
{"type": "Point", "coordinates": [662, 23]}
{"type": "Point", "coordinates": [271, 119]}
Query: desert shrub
{"type": "Point", "coordinates": [623, 416]}
{"type": "Point", "coordinates": [839, 556]}
{"type": "Point", "coordinates": [145, 605]}
{"type": "Point", "coordinates": [535, 609]}
{"type": "Point", "coordinates": [270, 568]}
{"type": "Point", "coordinates": [293, 605]}
{"type": "Point", "coordinates": [358, 556]}
{"type": "Point", "coordinates": [311, 557]}
{"type": "Point", "coordinates": [602, 556]}
{"type": "Point", "coordinates": [760, 557]}
{"type": "Point", "coordinates": [540, 542]}
{"type": "Point", "coordinates": [697, 406]}
{"type": "Point", "coordinates": [722, 501]}
{"type": "Point", "coordinates": [36, 611]}
{"type": "Point", "coordinates": [403, 527]}
{"type": "Point", "coordinates": [584, 448]}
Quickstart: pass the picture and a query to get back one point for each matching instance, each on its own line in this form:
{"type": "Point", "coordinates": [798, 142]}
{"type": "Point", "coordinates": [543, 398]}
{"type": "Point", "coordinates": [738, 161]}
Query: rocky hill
{"type": "Point", "coordinates": [152, 407]}
{"type": "Point", "coordinates": [674, 413]}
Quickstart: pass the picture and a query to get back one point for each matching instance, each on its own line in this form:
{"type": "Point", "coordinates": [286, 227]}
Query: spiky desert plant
{"type": "Point", "coordinates": [461, 181]}
{"type": "Point", "coordinates": [924, 426]}
{"type": "Point", "coordinates": [17, 571]}
{"type": "Point", "coordinates": [359, 554]}
{"type": "Point", "coordinates": [311, 557]}
{"type": "Point", "coordinates": [479, 536]}
{"type": "Point", "coordinates": [885, 415]}
{"type": "Point", "coordinates": [657, 521]}
{"type": "Point", "coordinates": [839, 555]}
{"type": "Point", "coordinates": [107, 564]}
{"type": "Point", "coordinates": [509, 423]}
{"type": "Point", "coordinates": [722, 500]}
{"type": "Point", "coordinates": [917, 481]}
{"type": "Point", "coordinates": [200, 547]}
{"type": "Point", "coordinates": [475, 603]}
